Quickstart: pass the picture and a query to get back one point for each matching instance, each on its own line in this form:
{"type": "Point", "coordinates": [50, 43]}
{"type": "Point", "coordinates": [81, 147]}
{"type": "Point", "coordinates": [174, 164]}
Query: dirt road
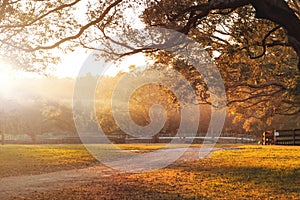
{"type": "Point", "coordinates": [22, 185]}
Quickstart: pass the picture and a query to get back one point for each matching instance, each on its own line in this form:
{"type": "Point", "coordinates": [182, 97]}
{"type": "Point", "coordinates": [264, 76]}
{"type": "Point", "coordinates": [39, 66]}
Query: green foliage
{"type": "Point", "coordinates": [19, 160]}
{"type": "Point", "coordinates": [36, 159]}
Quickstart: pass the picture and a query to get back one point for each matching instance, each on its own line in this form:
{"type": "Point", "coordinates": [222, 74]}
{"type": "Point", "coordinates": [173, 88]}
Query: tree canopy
{"type": "Point", "coordinates": [32, 26]}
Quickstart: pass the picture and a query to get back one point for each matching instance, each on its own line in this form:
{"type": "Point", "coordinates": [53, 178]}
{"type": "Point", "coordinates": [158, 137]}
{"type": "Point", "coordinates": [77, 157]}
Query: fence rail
{"type": "Point", "coordinates": [281, 137]}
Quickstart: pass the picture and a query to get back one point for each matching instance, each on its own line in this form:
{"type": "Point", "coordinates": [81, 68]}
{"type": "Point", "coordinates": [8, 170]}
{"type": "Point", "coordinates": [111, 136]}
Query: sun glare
{"type": "Point", "coordinates": [138, 60]}
{"type": "Point", "coordinates": [6, 79]}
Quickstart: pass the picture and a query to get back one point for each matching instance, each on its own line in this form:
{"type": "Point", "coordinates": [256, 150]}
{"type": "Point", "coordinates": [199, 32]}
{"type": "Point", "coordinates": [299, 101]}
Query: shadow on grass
{"type": "Point", "coordinates": [187, 183]}
{"type": "Point", "coordinates": [112, 188]}
{"type": "Point", "coordinates": [276, 181]}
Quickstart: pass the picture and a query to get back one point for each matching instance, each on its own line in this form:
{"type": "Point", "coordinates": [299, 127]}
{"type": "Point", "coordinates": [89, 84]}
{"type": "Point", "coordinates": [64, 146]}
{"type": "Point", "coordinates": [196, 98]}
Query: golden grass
{"type": "Point", "coordinates": [253, 172]}
{"type": "Point", "coordinates": [35, 159]}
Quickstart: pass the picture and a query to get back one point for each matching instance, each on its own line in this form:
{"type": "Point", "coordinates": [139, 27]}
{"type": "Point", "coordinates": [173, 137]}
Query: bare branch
{"type": "Point", "coordinates": [61, 7]}
{"type": "Point", "coordinates": [264, 43]}
{"type": "Point", "coordinates": [277, 84]}
{"type": "Point", "coordinates": [80, 32]}
{"type": "Point", "coordinates": [255, 96]}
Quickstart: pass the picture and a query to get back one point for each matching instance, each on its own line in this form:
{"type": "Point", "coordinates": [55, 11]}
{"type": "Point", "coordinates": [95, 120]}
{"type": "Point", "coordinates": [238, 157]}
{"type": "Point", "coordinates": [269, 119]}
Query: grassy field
{"type": "Point", "coordinates": [252, 172]}
{"type": "Point", "coordinates": [36, 159]}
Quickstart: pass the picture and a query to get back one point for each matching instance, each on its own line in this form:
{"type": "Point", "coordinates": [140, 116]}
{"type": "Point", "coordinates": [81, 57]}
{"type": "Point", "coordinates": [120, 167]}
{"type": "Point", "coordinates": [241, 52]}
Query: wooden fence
{"type": "Point", "coordinates": [281, 137]}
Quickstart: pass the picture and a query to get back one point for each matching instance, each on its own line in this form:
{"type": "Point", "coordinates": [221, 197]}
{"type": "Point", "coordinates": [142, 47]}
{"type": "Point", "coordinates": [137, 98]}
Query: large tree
{"type": "Point", "coordinates": [255, 44]}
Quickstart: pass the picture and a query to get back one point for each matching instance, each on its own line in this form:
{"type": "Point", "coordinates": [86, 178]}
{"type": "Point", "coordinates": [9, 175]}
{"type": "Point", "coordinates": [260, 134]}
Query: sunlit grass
{"type": "Point", "coordinates": [253, 172]}
{"type": "Point", "coordinates": [247, 172]}
{"type": "Point", "coordinates": [35, 159]}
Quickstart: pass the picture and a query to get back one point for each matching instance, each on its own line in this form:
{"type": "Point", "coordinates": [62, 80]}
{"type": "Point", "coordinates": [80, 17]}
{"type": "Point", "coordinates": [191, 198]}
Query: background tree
{"type": "Point", "coordinates": [57, 117]}
{"type": "Point", "coordinates": [140, 103]}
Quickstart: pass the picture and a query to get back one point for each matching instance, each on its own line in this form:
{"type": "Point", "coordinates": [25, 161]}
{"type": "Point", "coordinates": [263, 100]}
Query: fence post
{"type": "Point", "coordinates": [275, 139]}
{"type": "Point", "coordinates": [2, 137]}
{"type": "Point", "coordinates": [294, 136]}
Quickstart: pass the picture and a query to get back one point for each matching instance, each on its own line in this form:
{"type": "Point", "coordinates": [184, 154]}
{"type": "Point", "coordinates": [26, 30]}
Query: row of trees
{"type": "Point", "coordinates": [36, 117]}
{"type": "Point", "coordinates": [145, 96]}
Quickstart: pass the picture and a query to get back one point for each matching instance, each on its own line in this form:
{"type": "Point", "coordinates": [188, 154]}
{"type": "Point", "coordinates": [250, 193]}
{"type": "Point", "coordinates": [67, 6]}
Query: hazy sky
{"type": "Point", "coordinates": [12, 81]}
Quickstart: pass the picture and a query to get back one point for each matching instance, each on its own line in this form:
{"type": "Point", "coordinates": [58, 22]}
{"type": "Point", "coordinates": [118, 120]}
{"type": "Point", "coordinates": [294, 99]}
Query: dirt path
{"type": "Point", "coordinates": [18, 185]}
{"type": "Point", "coordinates": [15, 186]}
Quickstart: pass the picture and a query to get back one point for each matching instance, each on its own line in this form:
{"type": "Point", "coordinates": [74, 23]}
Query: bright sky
{"type": "Point", "coordinates": [69, 67]}
{"type": "Point", "coordinates": [6, 79]}
{"type": "Point", "coordinates": [11, 81]}
{"type": "Point", "coordinates": [72, 63]}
